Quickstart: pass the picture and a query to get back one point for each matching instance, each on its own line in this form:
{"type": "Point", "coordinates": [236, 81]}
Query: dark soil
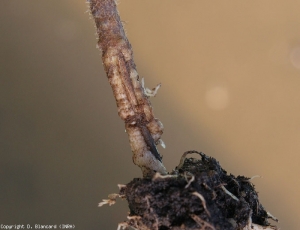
{"type": "Point", "coordinates": [198, 194]}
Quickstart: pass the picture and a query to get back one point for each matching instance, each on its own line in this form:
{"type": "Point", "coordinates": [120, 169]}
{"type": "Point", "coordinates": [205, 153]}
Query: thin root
{"type": "Point", "coordinates": [251, 226]}
{"type": "Point", "coordinates": [256, 176]}
{"type": "Point", "coordinates": [150, 92]}
{"type": "Point", "coordinates": [204, 225]}
{"type": "Point", "coordinates": [122, 226]}
{"type": "Point", "coordinates": [184, 157]}
{"type": "Point", "coordinates": [203, 202]}
{"type": "Point", "coordinates": [159, 176]}
{"type": "Point", "coordinates": [214, 194]}
{"type": "Point", "coordinates": [111, 199]}
{"type": "Point", "coordinates": [229, 193]}
{"type": "Point", "coordinates": [272, 217]}
{"type": "Point", "coordinates": [259, 227]}
{"type": "Point", "coordinates": [162, 143]}
{"type": "Point", "coordinates": [134, 217]}
{"type": "Point", "coordinates": [188, 180]}
{"type": "Point", "coordinates": [120, 186]}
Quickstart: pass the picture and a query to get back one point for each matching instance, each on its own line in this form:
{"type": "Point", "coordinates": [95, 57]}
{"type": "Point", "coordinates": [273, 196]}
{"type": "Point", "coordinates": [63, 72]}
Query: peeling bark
{"type": "Point", "coordinates": [134, 108]}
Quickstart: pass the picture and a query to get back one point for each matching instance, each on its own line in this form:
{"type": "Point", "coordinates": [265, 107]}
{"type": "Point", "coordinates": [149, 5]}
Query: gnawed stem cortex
{"type": "Point", "coordinates": [143, 129]}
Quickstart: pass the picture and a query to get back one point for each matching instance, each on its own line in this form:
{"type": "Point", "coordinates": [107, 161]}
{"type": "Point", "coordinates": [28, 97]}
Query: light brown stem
{"type": "Point", "coordinates": [134, 108]}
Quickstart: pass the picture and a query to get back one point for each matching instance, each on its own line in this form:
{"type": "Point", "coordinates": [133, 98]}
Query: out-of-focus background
{"type": "Point", "coordinates": [230, 74]}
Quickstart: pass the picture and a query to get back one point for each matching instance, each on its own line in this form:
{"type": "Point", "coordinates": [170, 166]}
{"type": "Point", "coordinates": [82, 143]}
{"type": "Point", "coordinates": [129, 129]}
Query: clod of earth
{"type": "Point", "coordinates": [198, 194]}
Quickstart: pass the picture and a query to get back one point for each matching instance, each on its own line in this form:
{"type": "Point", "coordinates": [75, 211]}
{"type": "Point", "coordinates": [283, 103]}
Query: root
{"type": "Point", "coordinates": [120, 186]}
{"type": "Point", "coordinates": [184, 157]}
{"type": "Point", "coordinates": [203, 202]}
{"type": "Point", "coordinates": [122, 226]}
{"type": "Point", "coordinates": [159, 176]}
{"type": "Point", "coordinates": [256, 176]}
{"type": "Point", "coordinates": [150, 92]}
{"type": "Point", "coordinates": [111, 199]}
{"type": "Point", "coordinates": [161, 143]}
{"type": "Point", "coordinates": [214, 194]}
{"type": "Point", "coordinates": [189, 181]}
{"type": "Point", "coordinates": [229, 193]}
{"type": "Point", "coordinates": [251, 226]}
{"type": "Point", "coordinates": [272, 217]}
{"type": "Point", "coordinates": [259, 227]}
{"type": "Point", "coordinates": [203, 224]}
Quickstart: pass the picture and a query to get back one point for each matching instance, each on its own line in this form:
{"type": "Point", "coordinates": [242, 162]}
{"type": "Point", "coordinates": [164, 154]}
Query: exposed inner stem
{"type": "Point", "coordinates": [134, 108]}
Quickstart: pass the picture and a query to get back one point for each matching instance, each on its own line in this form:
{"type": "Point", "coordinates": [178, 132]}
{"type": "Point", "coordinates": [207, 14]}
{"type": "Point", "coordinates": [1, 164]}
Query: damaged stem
{"type": "Point", "coordinates": [134, 108]}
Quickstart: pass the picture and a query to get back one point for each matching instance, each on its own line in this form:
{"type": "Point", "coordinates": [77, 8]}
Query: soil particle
{"type": "Point", "coordinates": [198, 194]}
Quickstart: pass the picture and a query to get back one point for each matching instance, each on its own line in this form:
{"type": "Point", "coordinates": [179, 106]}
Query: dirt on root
{"type": "Point", "coordinates": [198, 194]}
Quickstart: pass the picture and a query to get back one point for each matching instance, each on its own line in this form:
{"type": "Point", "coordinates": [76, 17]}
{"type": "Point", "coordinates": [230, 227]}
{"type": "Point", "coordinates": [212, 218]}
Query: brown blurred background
{"type": "Point", "coordinates": [230, 74]}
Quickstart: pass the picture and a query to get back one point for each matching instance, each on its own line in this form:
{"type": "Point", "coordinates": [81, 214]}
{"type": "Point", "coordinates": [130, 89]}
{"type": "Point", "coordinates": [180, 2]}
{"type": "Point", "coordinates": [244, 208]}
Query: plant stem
{"type": "Point", "coordinates": [134, 108]}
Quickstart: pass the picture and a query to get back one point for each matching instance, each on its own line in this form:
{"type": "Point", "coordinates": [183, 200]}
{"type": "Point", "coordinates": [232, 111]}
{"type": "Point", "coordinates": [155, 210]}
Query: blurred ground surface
{"type": "Point", "coordinates": [230, 74]}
